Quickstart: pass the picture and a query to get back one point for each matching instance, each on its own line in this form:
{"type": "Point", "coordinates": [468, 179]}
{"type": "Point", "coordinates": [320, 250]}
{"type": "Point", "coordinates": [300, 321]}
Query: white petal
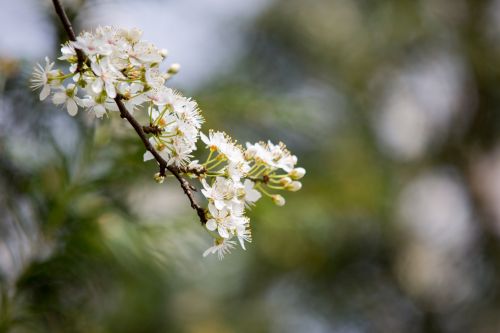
{"type": "Point", "coordinates": [59, 98]}
{"type": "Point", "coordinates": [45, 92]}
{"type": "Point", "coordinates": [110, 90]}
{"type": "Point", "coordinates": [211, 225]}
{"type": "Point", "coordinates": [204, 138]}
{"type": "Point", "coordinates": [79, 101]}
{"type": "Point", "coordinates": [219, 204]}
{"type": "Point", "coordinates": [148, 156]}
{"type": "Point", "coordinates": [223, 232]}
{"type": "Point", "coordinates": [248, 184]}
{"type": "Point", "coordinates": [99, 111]}
{"type": "Point", "coordinates": [113, 107]}
{"type": "Point", "coordinates": [72, 107]}
{"type": "Point", "coordinates": [253, 195]}
{"type": "Point", "coordinates": [97, 86]}
{"type": "Point", "coordinates": [86, 102]}
{"type": "Point", "coordinates": [210, 250]}
{"type": "Point", "coordinates": [95, 67]}
{"type": "Point", "coordinates": [242, 243]}
{"type": "Point", "coordinates": [212, 210]}
{"type": "Point", "coordinates": [205, 184]}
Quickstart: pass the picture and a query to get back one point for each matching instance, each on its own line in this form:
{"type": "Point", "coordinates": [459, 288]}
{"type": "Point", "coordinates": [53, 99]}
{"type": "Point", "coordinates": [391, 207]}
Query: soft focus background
{"type": "Point", "coordinates": [392, 107]}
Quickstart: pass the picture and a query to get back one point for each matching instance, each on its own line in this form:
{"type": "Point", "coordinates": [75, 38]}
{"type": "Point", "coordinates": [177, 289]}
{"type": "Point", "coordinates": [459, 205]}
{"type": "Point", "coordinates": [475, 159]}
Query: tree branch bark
{"type": "Point", "coordinates": [161, 161]}
{"type": "Point", "coordinates": [186, 187]}
{"type": "Point", "coordinates": [69, 30]}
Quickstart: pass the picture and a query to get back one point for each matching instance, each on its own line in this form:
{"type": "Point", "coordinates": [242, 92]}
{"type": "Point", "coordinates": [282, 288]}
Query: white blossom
{"type": "Point", "coordinates": [68, 97]}
{"type": "Point", "coordinates": [106, 76]}
{"type": "Point", "coordinates": [216, 141]}
{"type": "Point", "coordinates": [119, 64]}
{"type": "Point", "coordinates": [45, 78]}
{"type": "Point", "coordinates": [68, 54]}
{"type": "Point", "coordinates": [248, 193]}
{"type": "Point", "coordinates": [221, 220]}
{"type": "Point", "coordinates": [221, 247]}
{"type": "Point", "coordinates": [220, 193]}
{"type": "Point", "coordinates": [243, 232]}
{"type": "Point", "coordinates": [95, 104]}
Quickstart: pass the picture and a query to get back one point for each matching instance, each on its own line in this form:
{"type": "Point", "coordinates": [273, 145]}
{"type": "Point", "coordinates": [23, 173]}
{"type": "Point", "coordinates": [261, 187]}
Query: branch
{"type": "Point", "coordinates": [265, 179]}
{"type": "Point", "coordinates": [186, 187]}
{"type": "Point", "coordinates": [161, 161]}
{"type": "Point", "coordinates": [152, 129]}
{"type": "Point", "coordinates": [69, 31]}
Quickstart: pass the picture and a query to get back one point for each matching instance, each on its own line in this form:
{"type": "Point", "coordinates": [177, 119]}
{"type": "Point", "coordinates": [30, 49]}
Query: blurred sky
{"type": "Point", "coordinates": [204, 36]}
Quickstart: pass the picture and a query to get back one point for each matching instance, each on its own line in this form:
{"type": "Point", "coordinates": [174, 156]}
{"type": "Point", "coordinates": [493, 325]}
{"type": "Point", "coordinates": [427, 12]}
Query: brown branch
{"type": "Point", "coordinates": [69, 31]}
{"type": "Point", "coordinates": [152, 129]}
{"type": "Point", "coordinates": [265, 179]}
{"type": "Point", "coordinates": [186, 187]}
{"type": "Point", "coordinates": [161, 161]}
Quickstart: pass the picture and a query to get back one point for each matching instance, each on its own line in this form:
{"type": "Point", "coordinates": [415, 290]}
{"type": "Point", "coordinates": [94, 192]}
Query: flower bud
{"type": "Point", "coordinates": [159, 178]}
{"type": "Point", "coordinates": [174, 69]}
{"type": "Point", "coordinates": [164, 53]}
{"type": "Point", "coordinates": [285, 181]}
{"type": "Point", "coordinates": [297, 173]}
{"type": "Point", "coordinates": [278, 200]}
{"type": "Point", "coordinates": [294, 186]}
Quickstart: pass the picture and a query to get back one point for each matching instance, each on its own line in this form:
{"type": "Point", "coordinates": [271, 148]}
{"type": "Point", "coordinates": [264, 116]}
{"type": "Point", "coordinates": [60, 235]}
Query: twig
{"type": "Point", "coordinates": [161, 161]}
{"type": "Point", "coordinates": [265, 179]}
{"type": "Point", "coordinates": [152, 129]}
{"type": "Point", "coordinates": [140, 130]}
{"type": "Point", "coordinates": [69, 31]}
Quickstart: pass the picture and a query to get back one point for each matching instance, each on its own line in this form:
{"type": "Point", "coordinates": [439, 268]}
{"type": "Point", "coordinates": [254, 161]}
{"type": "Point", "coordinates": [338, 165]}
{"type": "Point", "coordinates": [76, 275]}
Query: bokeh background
{"type": "Point", "coordinates": [392, 106]}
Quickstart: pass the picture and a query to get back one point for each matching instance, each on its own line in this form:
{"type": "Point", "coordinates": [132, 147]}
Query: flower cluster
{"type": "Point", "coordinates": [178, 121]}
{"type": "Point", "coordinates": [117, 62]}
{"type": "Point", "coordinates": [239, 178]}
{"type": "Point", "coordinates": [118, 65]}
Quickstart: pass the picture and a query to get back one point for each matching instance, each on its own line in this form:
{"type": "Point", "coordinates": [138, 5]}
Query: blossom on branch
{"type": "Point", "coordinates": [113, 70]}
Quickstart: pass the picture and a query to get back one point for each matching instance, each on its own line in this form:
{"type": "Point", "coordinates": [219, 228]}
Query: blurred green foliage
{"type": "Point", "coordinates": [90, 244]}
